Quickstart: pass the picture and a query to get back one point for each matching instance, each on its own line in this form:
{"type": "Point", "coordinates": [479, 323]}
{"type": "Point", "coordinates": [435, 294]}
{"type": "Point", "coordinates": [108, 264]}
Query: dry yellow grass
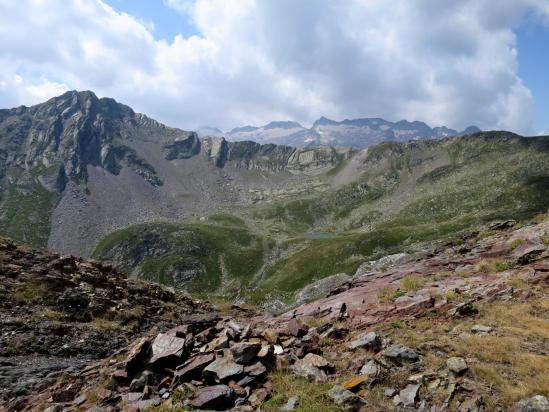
{"type": "Point", "coordinates": [411, 283]}
{"type": "Point", "coordinates": [510, 364]}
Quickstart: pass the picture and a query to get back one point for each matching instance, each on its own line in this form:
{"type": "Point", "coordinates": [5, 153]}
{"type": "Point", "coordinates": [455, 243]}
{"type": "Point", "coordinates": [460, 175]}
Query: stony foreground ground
{"type": "Point", "coordinates": [464, 328]}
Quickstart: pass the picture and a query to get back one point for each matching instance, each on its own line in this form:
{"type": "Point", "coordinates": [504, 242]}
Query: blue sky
{"type": "Point", "coordinates": [446, 62]}
{"type": "Point", "coordinates": [533, 59]}
{"type": "Point", "coordinates": [167, 21]}
{"type": "Point", "coordinates": [532, 45]}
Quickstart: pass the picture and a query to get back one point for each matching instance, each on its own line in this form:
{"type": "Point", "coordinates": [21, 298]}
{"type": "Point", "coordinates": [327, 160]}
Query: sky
{"type": "Point", "coordinates": [228, 63]}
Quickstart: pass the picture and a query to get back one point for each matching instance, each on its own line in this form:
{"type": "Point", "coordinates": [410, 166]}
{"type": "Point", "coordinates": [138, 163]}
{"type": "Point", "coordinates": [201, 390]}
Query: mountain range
{"type": "Point", "coordinates": [357, 133]}
{"type": "Point", "coordinates": [382, 278]}
{"type": "Point", "coordinates": [91, 177]}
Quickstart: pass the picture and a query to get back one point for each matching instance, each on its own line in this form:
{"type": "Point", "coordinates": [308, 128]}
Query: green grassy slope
{"type": "Point", "coordinates": [26, 207]}
{"type": "Point", "coordinates": [218, 257]}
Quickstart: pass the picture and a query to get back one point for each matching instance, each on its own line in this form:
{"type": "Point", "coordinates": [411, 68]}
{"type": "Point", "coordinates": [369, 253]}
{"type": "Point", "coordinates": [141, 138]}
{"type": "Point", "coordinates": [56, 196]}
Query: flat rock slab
{"type": "Point", "coordinates": [355, 382]}
{"type": "Point", "coordinates": [214, 397]}
{"type": "Point", "coordinates": [245, 352]}
{"type": "Point", "coordinates": [400, 353]}
{"type": "Point", "coordinates": [167, 348]}
{"type": "Point", "coordinates": [194, 366]}
{"type": "Point", "coordinates": [369, 340]}
{"type": "Point", "coordinates": [223, 368]}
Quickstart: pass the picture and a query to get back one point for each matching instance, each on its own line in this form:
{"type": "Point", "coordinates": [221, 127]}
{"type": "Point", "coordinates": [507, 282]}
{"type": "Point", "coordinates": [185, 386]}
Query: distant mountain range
{"type": "Point", "coordinates": [358, 133]}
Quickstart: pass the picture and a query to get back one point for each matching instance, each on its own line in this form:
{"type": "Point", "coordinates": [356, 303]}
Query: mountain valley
{"type": "Point", "coordinates": [146, 268]}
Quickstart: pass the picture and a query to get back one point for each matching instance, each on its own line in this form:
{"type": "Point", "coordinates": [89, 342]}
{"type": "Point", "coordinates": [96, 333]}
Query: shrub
{"type": "Point", "coordinates": [411, 283]}
{"type": "Point", "coordinates": [517, 242]}
{"type": "Point", "coordinates": [494, 266]}
{"type": "Point", "coordinates": [388, 294]}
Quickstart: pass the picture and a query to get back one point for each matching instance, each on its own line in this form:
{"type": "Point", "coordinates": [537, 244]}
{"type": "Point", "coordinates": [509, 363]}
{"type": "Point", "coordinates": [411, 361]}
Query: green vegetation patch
{"type": "Point", "coordinates": [25, 211]}
{"type": "Point", "coordinates": [202, 258]}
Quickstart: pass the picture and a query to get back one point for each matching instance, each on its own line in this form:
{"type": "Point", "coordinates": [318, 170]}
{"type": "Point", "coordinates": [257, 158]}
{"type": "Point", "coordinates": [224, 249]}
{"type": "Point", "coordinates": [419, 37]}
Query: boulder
{"type": "Point", "coordinates": [321, 288]}
{"type": "Point", "coordinates": [167, 349]}
{"type": "Point", "coordinates": [463, 309]}
{"type": "Point", "coordinates": [245, 352]}
{"type": "Point", "coordinates": [369, 340]}
{"type": "Point", "coordinates": [308, 371]}
{"type": "Point", "coordinates": [291, 404]}
{"type": "Point", "coordinates": [257, 369]}
{"type": "Point", "coordinates": [481, 329]}
{"type": "Point", "coordinates": [258, 397]}
{"type": "Point", "coordinates": [219, 397]}
{"type": "Point", "coordinates": [457, 365]}
{"type": "Point", "coordinates": [408, 395]}
{"type": "Point", "coordinates": [271, 335]}
{"type": "Point", "coordinates": [136, 356]}
{"type": "Point", "coordinates": [400, 354]}
{"type": "Point", "coordinates": [346, 399]}
{"type": "Point", "coordinates": [370, 368]}
{"type": "Point", "coordinates": [297, 328]}
{"type": "Point", "coordinates": [389, 392]}
{"type": "Point", "coordinates": [222, 368]}
{"type": "Point", "coordinates": [139, 383]}
{"type": "Point", "coordinates": [536, 403]}
{"type": "Point", "coordinates": [316, 361]}
{"type": "Point", "coordinates": [193, 367]}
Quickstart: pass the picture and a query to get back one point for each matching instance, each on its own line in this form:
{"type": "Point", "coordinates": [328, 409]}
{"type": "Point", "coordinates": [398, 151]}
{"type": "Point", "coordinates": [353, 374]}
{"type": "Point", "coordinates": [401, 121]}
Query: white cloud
{"type": "Point", "coordinates": [442, 61]}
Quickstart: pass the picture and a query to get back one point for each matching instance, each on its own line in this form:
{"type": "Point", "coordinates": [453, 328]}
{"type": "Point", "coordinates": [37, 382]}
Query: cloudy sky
{"type": "Point", "coordinates": [228, 63]}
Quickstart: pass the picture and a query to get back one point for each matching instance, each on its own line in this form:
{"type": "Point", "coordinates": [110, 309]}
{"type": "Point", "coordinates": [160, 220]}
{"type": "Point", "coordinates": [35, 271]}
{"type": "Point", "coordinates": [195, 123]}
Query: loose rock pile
{"type": "Point", "coordinates": [59, 313]}
{"type": "Point", "coordinates": [214, 363]}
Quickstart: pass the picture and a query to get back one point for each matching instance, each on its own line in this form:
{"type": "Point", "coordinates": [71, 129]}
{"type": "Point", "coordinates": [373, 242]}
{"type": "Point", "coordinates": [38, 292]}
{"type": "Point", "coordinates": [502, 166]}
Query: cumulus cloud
{"type": "Point", "coordinates": [445, 62]}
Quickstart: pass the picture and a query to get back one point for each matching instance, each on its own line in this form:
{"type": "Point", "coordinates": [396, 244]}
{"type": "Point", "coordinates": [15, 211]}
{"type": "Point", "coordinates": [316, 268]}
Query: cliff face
{"type": "Point", "coordinates": [76, 167]}
{"type": "Point", "coordinates": [76, 130]}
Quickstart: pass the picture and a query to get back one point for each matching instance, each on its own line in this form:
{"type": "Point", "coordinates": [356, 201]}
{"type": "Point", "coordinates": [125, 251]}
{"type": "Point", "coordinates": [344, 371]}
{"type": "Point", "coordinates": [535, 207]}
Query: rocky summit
{"type": "Point", "coordinates": [356, 133]}
{"type": "Point", "coordinates": [444, 331]}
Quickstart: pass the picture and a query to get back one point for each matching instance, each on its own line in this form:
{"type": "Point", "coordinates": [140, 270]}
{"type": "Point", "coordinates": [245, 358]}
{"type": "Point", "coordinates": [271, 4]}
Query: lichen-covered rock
{"type": "Point", "coordinates": [537, 403]}
{"type": "Point", "coordinates": [346, 399]}
{"type": "Point", "coordinates": [368, 340]}
{"type": "Point", "coordinates": [400, 354]}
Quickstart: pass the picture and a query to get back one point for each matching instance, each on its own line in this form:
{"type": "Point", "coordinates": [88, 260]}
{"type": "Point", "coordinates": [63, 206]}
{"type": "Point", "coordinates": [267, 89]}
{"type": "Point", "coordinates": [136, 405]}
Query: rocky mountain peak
{"type": "Point", "coordinates": [282, 125]}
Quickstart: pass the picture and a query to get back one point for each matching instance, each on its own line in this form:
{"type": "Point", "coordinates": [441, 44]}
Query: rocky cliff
{"type": "Point", "coordinates": [76, 160]}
